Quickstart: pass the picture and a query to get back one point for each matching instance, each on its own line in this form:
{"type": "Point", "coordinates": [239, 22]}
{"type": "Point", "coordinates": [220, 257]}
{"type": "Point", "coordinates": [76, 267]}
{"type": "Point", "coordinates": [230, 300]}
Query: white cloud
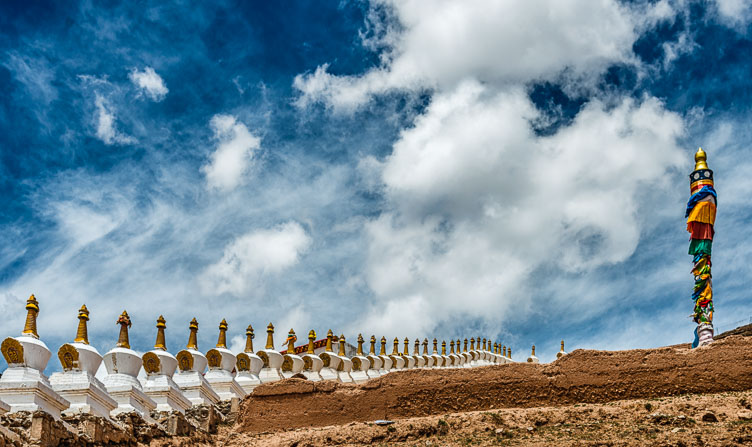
{"type": "Point", "coordinates": [105, 122]}
{"type": "Point", "coordinates": [734, 12]}
{"type": "Point", "coordinates": [234, 154]}
{"type": "Point", "coordinates": [250, 257]}
{"type": "Point", "coordinates": [493, 42]}
{"type": "Point", "coordinates": [478, 202]}
{"type": "Point", "coordinates": [150, 83]}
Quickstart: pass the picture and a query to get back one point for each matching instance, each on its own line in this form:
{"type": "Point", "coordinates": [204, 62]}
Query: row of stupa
{"type": "Point", "coordinates": [175, 383]}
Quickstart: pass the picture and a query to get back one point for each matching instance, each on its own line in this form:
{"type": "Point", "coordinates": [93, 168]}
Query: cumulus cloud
{"type": "Point", "coordinates": [479, 202]}
{"type": "Point", "coordinates": [234, 154]}
{"type": "Point", "coordinates": [493, 42]}
{"type": "Point", "coordinates": [149, 83]}
{"type": "Point", "coordinates": [105, 123]}
{"type": "Point", "coordinates": [256, 254]}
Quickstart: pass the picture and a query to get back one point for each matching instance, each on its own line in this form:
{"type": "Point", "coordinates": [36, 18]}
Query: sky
{"type": "Point", "coordinates": [511, 170]}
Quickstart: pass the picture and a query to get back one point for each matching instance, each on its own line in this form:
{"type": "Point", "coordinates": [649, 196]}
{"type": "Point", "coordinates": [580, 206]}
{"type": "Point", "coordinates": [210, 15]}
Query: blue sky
{"type": "Point", "coordinates": [504, 169]}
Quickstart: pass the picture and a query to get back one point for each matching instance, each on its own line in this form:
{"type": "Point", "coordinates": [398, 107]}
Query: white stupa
{"type": "Point", "coordinates": [386, 361]}
{"type": "Point", "coordinates": [312, 363]}
{"type": "Point", "coordinates": [345, 365]}
{"type": "Point", "coordinates": [428, 359]}
{"type": "Point", "coordinates": [330, 359]}
{"type": "Point", "coordinates": [23, 386]}
{"type": "Point", "coordinates": [375, 367]}
{"type": "Point", "coordinates": [272, 359]}
{"type": "Point", "coordinates": [160, 366]}
{"type": "Point", "coordinates": [397, 361]}
{"type": "Point", "coordinates": [533, 358]}
{"type": "Point", "coordinates": [248, 364]}
{"type": "Point", "coordinates": [77, 382]}
{"type": "Point", "coordinates": [190, 374]}
{"type": "Point", "coordinates": [291, 362]}
{"type": "Point", "coordinates": [561, 353]}
{"type": "Point", "coordinates": [123, 364]}
{"type": "Point", "coordinates": [221, 366]}
{"type": "Point", "coordinates": [409, 360]}
{"type": "Point", "coordinates": [360, 363]}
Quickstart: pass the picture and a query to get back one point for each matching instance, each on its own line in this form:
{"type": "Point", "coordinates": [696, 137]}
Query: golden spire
{"type": "Point", "coordinates": [32, 308]}
{"type": "Point", "coordinates": [249, 336]}
{"type": "Point", "coordinates": [311, 339]}
{"type": "Point", "coordinates": [465, 350]}
{"type": "Point", "coordinates": [435, 346]}
{"type": "Point", "coordinates": [451, 346]}
{"type": "Point", "coordinates": [458, 346]}
{"type": "Point", "coordinates": [383, 346]}
{"type": "Point", "coordinates": [160, 343]}
{"type": "Point", "coordinates": [443, 347]}
{"type": "Point", "coordinates": [125, 322]}
{"type": "Point", "coordinates": [222, 340]}
{"type": "Point", "coordinates": [533, 354]}
{"type": "Point", "coordinates": [562, 345]}
{"type": "Point", "coordinates": [360, 345]}
{"type": "Point", "coordinates": [270, 336]}
{"type": "Point", "coordinates": [373, 345]}
{"type": "Point", "coordinates": [82, 334]}
{"type": "Point", "coordinates": [509, 352]}
{"type": "Point", "coordinates": [192, 335]}
{"type": "Point", "coordinates": [425, 346]}
{"type": "Point", "coordinates": [341, 345]}
{"type": "Point", "coordinates": [416, 349]}
{"type": "Point", "coordinates": [504, 348]}
{"type": "Point", "coordinates": [406, 351]}
{"type": "Point", "coordinates": [291, 339]}
{"type": "Point", "coordinates": [484, 344]}
{"type": "Point", "coordinates": [472, 344]}
{"type": "Point", "coordinates": [395, 348]}
{"type": "Point", "coordinates": [701, 160]}
{"type": "Point", "coordinates": [329, 336]}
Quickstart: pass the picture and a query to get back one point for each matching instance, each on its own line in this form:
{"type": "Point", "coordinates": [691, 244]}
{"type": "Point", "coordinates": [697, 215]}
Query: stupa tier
{"type": "Point", "coordinates": [159, 381]}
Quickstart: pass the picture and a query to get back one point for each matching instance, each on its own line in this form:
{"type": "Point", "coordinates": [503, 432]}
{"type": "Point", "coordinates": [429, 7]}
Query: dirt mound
{"type": "Point", "coordinates": [582, 376]}
{"type": "Point", "coordinates": [745, 331]}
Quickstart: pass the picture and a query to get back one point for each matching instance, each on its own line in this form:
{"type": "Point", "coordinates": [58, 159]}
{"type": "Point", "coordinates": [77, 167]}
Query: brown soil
{"type": "Point", "coordinates": [583, 376]}
{"type": "Point", "coordinates": [689, 420]}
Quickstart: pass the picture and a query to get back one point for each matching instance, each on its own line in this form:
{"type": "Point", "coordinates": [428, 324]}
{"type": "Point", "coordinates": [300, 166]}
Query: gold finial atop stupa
{"type": "Point", "coordinates": [406, 350]}
{"type": "Point", "coordinates": [372, 351]}
{"type": "Point", "coordinates": [504, 349]}
{"type": "Point", "coordinates": [192, 335]}
{"type": "Point", "coordinates": [509, 352]}
{"type": "Point", "coordinates": [465, 349]}
{"type": "Point", "coordinates": [32, 309]}
{"type": "Point", "coordinates": [249, 336]}
{"type": "Point", "coordinates": [360, 345]}
{"type": "Point", "coordinates": [416, 348]}
{"type": "Point", "coordinates": [451, 346]}
{"type": "Point", "coordinates": [291, 339]}
{"type": "Point", "coordinates": [82, 334]}
{"type": "Point", "coordinates": [342, 345]}
{"type": "Point", "coordinates": [701, 160]}
{"type": "Point", "coordinates": [562, 345]}
{"type": "Point", "coordinates": [311, 340]}
{"type": "Point", "coordinates": [435, 346]}
{"type": "Point", "coordinates": [472, 344]}
{"type": "Point", "coordinates": [161, 325]}
{"type": "Point", "coordinates": [395, 347]}
{"type": "Point", "coordinates": [425, 346]}
{"type": "Point", "coordinates": [125, 322]}
{"type": "Point", "coordinates": [443, 347]}
{"type": "Point", "coordinates": [222, 339]}
{"type": "Point", "coordinates": [533, 354]}
{"type": "Point", "coordinates": [329, 337]}
{"type": "Point", "coordinates": [383, 346]}
{"type": "Point", "coordinates": [270, 336]}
